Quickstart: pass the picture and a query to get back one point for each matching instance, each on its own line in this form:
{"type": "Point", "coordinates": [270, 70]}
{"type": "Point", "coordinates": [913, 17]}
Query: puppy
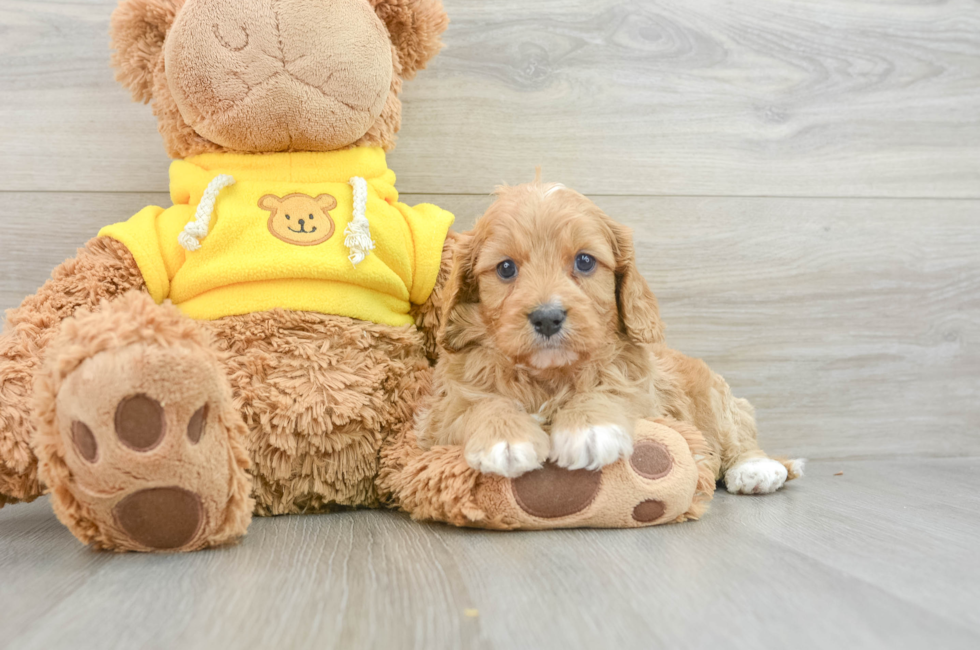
{"type": "Point", "coordinates": [552, 347]}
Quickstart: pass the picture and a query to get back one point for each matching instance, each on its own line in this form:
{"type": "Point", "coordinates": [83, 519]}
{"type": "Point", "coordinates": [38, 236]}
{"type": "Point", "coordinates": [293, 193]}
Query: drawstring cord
{"type": "Point", "coordinates": [197, 230]}
{"type": "Point", "coordinates": [357, 235]}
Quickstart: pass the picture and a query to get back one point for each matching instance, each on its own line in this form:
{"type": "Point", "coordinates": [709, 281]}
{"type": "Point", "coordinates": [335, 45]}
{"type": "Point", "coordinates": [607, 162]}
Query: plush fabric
{"type": "Point", "coordinates": [140, 28]}
{"type": "Point", "coordinates": [102, 270]}
{"type": "Point", "coordinates": [141, 416]}
{"type": "Point", "coordinates": [438, 485]}
{"type": "Point", "coordinates": [132, 349]}
{"type": "Point", "coordinates": [246, 264]}
{"type": "Point", "coordinates": [289, 78]}
{"type": "Point", "coordinates": [319, 394]}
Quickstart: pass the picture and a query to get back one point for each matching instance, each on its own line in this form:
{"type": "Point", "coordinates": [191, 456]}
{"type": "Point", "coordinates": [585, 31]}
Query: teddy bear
{"type": "Point", "coordinates": [262, 346]}
{"type": "Point", "coordinates": [247, 349]}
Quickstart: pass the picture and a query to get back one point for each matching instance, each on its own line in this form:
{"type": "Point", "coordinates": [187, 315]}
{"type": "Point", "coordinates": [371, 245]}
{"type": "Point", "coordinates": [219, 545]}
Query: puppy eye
{"type": "Point", "coordinates": [584, 263]}
{"type": "Point", "coordinates": [507, 270]}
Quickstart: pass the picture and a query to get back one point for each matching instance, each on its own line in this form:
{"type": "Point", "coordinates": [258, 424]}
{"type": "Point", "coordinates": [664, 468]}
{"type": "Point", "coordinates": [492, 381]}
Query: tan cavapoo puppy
{"type": "Point", "coordinates": [553, 347]}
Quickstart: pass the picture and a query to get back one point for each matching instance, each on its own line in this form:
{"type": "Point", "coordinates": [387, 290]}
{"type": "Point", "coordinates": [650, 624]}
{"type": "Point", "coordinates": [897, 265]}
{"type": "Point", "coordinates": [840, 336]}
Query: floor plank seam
{"type": "Point", "coordinates": [801, 197]}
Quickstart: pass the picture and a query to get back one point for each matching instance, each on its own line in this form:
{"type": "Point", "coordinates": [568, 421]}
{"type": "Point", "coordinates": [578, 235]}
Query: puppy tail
{"type": "Point", "coordinates": [794, 467]}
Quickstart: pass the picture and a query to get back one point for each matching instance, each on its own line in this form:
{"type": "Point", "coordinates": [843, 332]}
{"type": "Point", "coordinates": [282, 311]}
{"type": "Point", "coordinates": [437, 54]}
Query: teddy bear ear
{"type": "Point", "coordinates": [415, 27]}
{"type": "Point", "coordinates": [270, 202]}
{"type": "Point", "coordinates": [138, 29]}
{"type": "Point", "coordinates": [326, 202]}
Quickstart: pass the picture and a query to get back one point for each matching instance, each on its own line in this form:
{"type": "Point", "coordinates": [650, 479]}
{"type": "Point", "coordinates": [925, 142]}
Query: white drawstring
{"type": "Point", "coordinates": [197, 230]}
{"type": "Point", "coordinates": [357, 235]}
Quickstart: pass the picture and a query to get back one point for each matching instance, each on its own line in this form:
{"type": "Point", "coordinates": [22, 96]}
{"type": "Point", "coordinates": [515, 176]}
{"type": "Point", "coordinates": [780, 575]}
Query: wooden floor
{"type": "Point", "coordinates": [883, 555]}
{"type": "Point", "coordinates": [804, 182]}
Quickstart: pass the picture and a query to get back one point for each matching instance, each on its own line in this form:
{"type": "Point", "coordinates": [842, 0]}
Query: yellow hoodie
{"type": "Point", "coordinates": [320, 232]}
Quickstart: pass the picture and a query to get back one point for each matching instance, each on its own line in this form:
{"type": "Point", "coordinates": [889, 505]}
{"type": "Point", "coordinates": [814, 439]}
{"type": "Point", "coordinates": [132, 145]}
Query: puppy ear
{"type": "Point", "coordinates": [137, 29]}
{"type": "Point", "coordinates": [460, 298]}
{"type": "Point", "coordinates": [638, 309]}
{"type": "Point", "coordinates": [415, 27]}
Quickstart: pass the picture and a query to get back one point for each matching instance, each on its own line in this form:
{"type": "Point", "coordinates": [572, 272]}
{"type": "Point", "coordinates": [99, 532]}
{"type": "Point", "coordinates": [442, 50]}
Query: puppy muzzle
{"type": "Point", "coordinates": [547, 320]}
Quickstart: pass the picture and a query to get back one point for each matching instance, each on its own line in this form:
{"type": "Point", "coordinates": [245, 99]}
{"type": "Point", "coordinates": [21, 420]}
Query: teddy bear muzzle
{"type": "Point", "coordinates": [265, 75]}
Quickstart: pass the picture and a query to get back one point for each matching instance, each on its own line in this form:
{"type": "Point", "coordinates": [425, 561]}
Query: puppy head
{"type": "Point", "coordinates": [548, 279]}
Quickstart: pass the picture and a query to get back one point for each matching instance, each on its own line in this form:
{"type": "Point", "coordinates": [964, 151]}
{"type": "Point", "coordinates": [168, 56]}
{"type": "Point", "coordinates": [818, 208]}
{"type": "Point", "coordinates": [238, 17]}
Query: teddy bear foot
{"type": "Point", "coordinates": [660, 483]}
{"type": "Point", "coordinates": [141, 444]}
{"type": "Point", "coordinates": [669, 478]}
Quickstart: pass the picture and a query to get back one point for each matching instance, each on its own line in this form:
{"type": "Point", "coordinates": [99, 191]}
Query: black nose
{"type": "Point", "coordinates": [547, 321]}
{"type": "Point", "coordinates": [301, 222]}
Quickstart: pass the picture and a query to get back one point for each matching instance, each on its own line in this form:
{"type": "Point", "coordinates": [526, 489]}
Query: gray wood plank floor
{"type": "Point", "coordinates": [883, 555]}
{"type": "Point", "coordinates": [804, 182]}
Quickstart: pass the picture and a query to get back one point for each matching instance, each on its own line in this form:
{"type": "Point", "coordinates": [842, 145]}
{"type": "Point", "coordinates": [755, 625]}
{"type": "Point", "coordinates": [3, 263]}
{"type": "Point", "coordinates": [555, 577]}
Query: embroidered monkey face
{"type": "Point", "coordinates": [300, 219]}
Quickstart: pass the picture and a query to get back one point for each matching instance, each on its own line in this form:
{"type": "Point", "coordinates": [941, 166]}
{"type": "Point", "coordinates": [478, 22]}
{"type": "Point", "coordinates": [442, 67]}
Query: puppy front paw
{"type": "Point", "coordinates": [590, 448]}
{"type": "Point", "coordinates": [509, 459]}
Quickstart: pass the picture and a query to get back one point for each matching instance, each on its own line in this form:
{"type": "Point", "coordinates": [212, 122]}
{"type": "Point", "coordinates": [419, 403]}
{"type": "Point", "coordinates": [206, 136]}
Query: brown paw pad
{"type": "Point", "coordinates": [195, 428]}
{"type": "Point", "coordinates": [553, 491]}
{"type": "Point", "coordinates": [140, 422]}
{"type": "Point", "coordinates": [648, 511]}
{"type": "Point", "coordinates": [651, 459]}
{"type": "Point", "coordinates": [84, 441]}
{"type": "Point", "coordinates": [161, 518]}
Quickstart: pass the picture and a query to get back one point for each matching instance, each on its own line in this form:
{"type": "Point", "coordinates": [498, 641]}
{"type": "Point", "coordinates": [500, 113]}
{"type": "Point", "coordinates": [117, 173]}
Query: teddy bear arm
{"type": "Point", "coordinates": [102, 270]}
{"type": "Point", "coordinates": [428, 315]}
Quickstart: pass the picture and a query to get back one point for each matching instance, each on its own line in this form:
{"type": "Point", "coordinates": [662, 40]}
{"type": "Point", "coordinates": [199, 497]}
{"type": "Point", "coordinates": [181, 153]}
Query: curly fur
{"type": "Point", "coordinates": [500, 382]}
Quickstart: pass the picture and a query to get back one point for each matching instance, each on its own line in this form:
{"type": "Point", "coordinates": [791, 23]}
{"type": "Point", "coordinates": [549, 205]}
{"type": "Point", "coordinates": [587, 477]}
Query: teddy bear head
{"type": "Point", "coordinates": [300, 219]}
{"type": "Point", "coordinates": [273, 75]}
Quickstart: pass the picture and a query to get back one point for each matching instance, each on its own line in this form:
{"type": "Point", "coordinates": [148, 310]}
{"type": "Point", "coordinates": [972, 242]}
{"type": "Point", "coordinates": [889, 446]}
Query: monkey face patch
{"type": "Point", "coordinates": [300, 219]}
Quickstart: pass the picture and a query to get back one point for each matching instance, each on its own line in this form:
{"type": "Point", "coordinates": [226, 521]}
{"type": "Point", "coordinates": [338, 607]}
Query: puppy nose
{"type": "Point", "coordinates": [547, 321]}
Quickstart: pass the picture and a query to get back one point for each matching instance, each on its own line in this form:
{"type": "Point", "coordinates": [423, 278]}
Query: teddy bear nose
{"type": "Point", "coordinates": [547, 321]}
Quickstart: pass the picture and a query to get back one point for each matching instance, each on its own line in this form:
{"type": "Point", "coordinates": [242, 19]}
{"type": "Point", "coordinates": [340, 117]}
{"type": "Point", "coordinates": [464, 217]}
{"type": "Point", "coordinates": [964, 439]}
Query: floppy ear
{"type": "Point", "coordinates": [460, 322]}
{"type": "Point", "coordinates": [414, 27]}
{"type": "Point", "coordinates": [326, 202]}
{"type": "Point", "coordinates": [138, 29]}
{"type": "Point", "coordinates": [270, 202]}
{"type": "Point", "coordinates": [638, 309]}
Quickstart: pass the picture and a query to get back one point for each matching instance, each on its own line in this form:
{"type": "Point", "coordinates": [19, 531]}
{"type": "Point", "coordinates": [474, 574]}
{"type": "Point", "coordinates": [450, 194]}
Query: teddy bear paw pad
{"type": "Point", "coordinates": [655, 485]}
{"type": "Point", "coordinates": [553, 491]}
{"type": "Point", "coordinates": [649, 511]}
{"type": "Point", "coordinates": [147, 454]}
{"type": "Point", "coordinates": [161, 518]}
{"type": "Point", "coordinates": [651, 459]}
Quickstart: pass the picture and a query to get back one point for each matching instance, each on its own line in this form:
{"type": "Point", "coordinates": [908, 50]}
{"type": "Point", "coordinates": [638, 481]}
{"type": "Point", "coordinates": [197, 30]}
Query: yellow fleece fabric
{"type": "Point", "coordinates": [241, 267]}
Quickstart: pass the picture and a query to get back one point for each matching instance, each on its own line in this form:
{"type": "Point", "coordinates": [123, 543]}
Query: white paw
{"type": "Point", "coordinates": [591, 448]}
{"type": "Point", "coordinates": [510, 459]}
{"type": "Point", "coordinates": [755, 476]}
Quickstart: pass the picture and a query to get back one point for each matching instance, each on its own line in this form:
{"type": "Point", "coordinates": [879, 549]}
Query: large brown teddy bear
{"type": "Point", "coordinates": [263, 345]}
{"type": "Point", "coordinates": [294, 273]}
